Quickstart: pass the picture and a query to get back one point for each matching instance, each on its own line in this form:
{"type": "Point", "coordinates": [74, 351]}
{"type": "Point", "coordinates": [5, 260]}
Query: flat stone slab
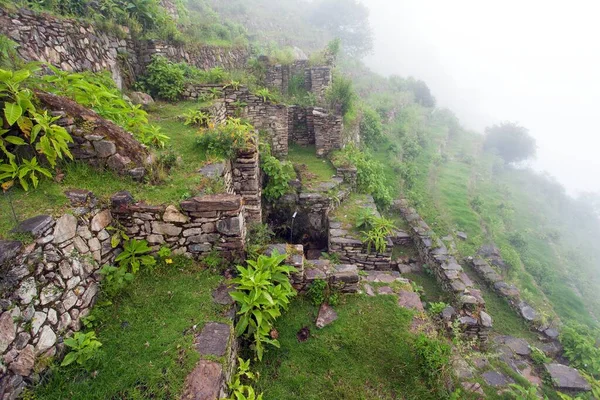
{"type": "Point", "coordinates": [221, 295]}
{"type": "Point", "coordinates": [9, 249]}
{"type": "Point", "coordinates": [385, 290]}
{"type": "Point", "coordinates": [410, 300]}
{"type": "Point", "coordinates": [326, 316]}
{"type": "Point", "coordinates": [517, 345]}
{"type": "Point", "coordinates": [527, 311]}
{"type": "Point", "coordinates": [204, 382]}
{"type": "Point", "coordinates": [496, 379]}
{"type": "Point", "coordinates": [35, 226]}
{"type": "Point", "coordinates": [564, 377]}
{"type": "Point", "coordinates": [212, 171]}
{"type": "Point", "coordinates": [213, 339]}
{"type": "Point", "coordinates": [369, 290]}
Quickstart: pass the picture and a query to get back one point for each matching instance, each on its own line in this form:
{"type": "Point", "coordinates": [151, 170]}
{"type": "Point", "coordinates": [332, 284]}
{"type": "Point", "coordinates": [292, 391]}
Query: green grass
{"type": "Point", "coordinates": [366, 354]}
{"type": "Point", "coordinates": [319, 169]}
{"type": "Point", "coordinates": [146, 340]}
{"type": "Point", "coordinates": [432, 290]}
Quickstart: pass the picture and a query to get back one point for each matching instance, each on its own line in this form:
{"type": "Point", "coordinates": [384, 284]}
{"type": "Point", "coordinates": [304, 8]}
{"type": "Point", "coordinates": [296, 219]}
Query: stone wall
{"type": "Point", "coordinates": [247, 183]}
{"type": "Point", "coordinates": [203, 224]}
{"type": "Point", "coordinates": [317, 80]}
{"type": "Point", "coordinates": [67, 43]}
{"type": "Point", "coordinates": [48, 286]}
{"type": "Point", "coordinates": [97, 141]}
{"type": "Point", "coordinates": [202, 57]}
{"type": "Point", "coordinates": [299, 131]}
{"type": "Point", "coordinates": [327, 129]}
{"type": "Point", "coordinates": [469, 304]}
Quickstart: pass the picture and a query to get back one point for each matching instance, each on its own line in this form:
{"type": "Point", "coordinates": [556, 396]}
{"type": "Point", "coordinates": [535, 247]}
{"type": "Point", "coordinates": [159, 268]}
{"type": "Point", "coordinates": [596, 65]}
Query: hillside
{"type": "Point", "coordinates": [207, 199]}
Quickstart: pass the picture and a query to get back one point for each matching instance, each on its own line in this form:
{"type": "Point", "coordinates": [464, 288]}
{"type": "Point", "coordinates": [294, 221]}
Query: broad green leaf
{"type": "Point", "coordinates": [12, 112]}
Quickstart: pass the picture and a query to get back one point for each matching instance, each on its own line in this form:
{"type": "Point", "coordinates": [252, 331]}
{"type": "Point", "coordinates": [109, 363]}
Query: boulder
{"type": "Point", "coordinates": [326, 316]}
{"type": "Point", "coordinates": [34, 226]}
{"type": "Point", "coordinates": [213, 340]}
{"type": "Point", "coordinates": [564, 377]}
{"type": "Point", "coordinates": [65, 228]}
{"type": "Point", "coordinates": [204, 382]}
{"type": "Point", "coordinates": [141, 98]}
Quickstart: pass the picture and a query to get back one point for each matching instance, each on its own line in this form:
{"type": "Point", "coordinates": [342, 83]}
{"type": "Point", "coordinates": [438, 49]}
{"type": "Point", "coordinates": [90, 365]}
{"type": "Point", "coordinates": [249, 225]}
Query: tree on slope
{"type": "Point", "coordinates": [510, 141]}
{"type": "Point", "coordinates": [347, 20]}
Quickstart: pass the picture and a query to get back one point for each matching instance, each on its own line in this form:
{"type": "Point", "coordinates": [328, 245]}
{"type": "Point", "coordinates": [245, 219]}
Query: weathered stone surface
{"type": "Point", "coordinates": [65, 228]}
{"type": "Point", "coordinates": [369, 290]}
{"type": "Point", "coordinates": [49, 294]}
{"type": "Point", "coordinates": [46, 340]}
{"type": "Point", "coordinates": [8, 331]}
{"type": "Point", "coordinates": [219, 202]}
{"type": "Point", "coordinates": [172, 214]}
{"type": "Point", "coordinates": [141, 98]}
{"type": "Point", "coordinates": [496, 379]}
{"type": "Point", "coordinates": [213, 171]}
{"type": "Point", "coordinates": [230, 226]}
{"type": "Point", "coordinates": [27, 291]}
{"type": "Point", "coordinates": [167, 229]}
{"type": "Point", "coordinates": [552, 333]}
{"type": "Point", "coordinates": [118, 162]}
{"type": "Point", "coordinates": [519, 346]}
{"type": "Point", "coordinates": [105, 148]}
{"type": "Point", "coordinates": [213, 339]}
{"type": "Point", "coordinates": [326, 316]}
{"type": "Point", "coordinates": [486, 319]}
{"type": "Point", "coordinates": [204, 382]}
{"type": "Point", "coordinates": [9, 249]}
{"type": "Point", "coordinates": [527, 311]}
{"type": "Point", "coordinates": [410, 300]}
{"type": "Point", "coordinates": [34, 226]}
{"type": "Point", "coordinates": [564, 377]}
{"type": "Point", "coordinates": [101, 220]}
{"type": "Point", "coordinates": [79, 197]}
{"type": "Point", "coordinates": [24, 363]}
{"type": "Point", "coordinates": [221, 295]}
{"type": "Point", "coordinates": [38, 320]}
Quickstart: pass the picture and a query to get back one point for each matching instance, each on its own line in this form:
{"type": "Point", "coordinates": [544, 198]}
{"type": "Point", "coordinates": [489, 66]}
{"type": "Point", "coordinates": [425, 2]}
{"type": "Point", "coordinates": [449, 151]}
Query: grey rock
{"type": "Point", "coordinates": [49, 294]}
{"type": "Point", "coordinates": [141, 98]}
{"type": "Point", "coordinates": [24, 363]}
{"type": "Point", "coordinates": [230, 226]}
{"type": "Point", "coordinates": [496, 379]}
{"type": "Point", "coordinates": [35, 226]}
{"type": "Point", "coordinates": [8, 331]}
{"type": "Point", "coordinates": [38, 320]}
{"type": "Point", "coordinates": [448, 313]}
{"type": "Point", "coordinates": [213, 340]}
{"type": "Point", "coordinates": [9, 249]}
{"type": "Point", "coordinates": [326, 316]}
{"type": "Point", "coordinates": [564, 377]}
{"type": "Point", "coordinates": [204, 382]}
{"type": "Point", "coordinates": [162, 228]}
{"type": "Point", "coordinates": [369, 290]}
{"type": "Point", "coordinates": [552, 333]}
{"type": "Point", "coordinates": [65, 229]}
{"type": "Point", "coordinates": [27, 291]}
{"type": "Point", "coordinates": [410, 300]}
{"type": "Point", "coordinates": [213, 171]}
{"type": "Point", "coordinates": [221, 295]}
{"type": "Point", "coordinates": [101, 220]}
{"type": "Point", "coordinates": [46, 340]}
{"type": "Point", "coordinates": [486, 319]}
{"type": "Point", "coordinates": [461, 235]}
{"type": "Point", "coordinates": [172, 214]}
{"type": "Point", "coordinates": [105, 148]}
{"type": "Point", "coordinates": [118, 162]}
{"type": "Point", "coordinates": [527, 311]}
{"type": "Point", "coordinates": [22, 339]}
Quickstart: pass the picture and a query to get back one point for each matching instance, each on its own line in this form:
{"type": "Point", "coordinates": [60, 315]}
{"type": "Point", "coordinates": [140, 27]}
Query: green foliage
{"type": "Point", "coordinates": [197, 118]}
{"type": "Point", "coordinates": [164, 79]}
{"type": "Point", "coordinates": [434, 362]}
{"type": "Point", "coordinates": [539, 357]}
{"type": "Point", "coordinates": [317, 292]}
{"type": "Point", "coordinates": [510, 141]}
{"type": "Point", "coordinates": [9, 57]}
{"type": "Point", "coordinates": [115, 279]}
{"type": "Point", "coordinates": [263, 291]}
{"type": "Point", "coordinates": [364, 218]}
{"type": "Point", "coordinates": [341, 95]}
{"type": "Point", "coordinates": [377, 236]}
{"type": "Point", "coordinates": [266, 95]}
{"type": "Point", "coordinates": [83, 348]}
{"type": "Point", "coordinates": [518, 392]}
{"type": "Point", "coordinates": [98, 92]}
{"type": "Point", "coordinates": [437, 308]}
{"type": "Point", "coordinates": [29, 131]}
{"type": "Point", "coordinates": [227, 139]}
{"type": "Point", "coordinates": [278, 174]}
{"type": "Point", "coordinates": [239, 389]}
{"type": "Point", "coordinates": [580, 348]}
{"type": "Point", "coordinates": [370, 173]}
{"type": "Point", "coordinates": [135, 255]}
{"type": "Point", "coordinates": [371, 128]}
{"type": "Point", "coordinates": [334, 258]}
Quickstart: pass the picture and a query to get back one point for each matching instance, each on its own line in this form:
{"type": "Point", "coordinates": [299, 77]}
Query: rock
{"type": "Point", "coordinates": [410, 300]}
{"type": "Point", "coordinates": [552, 333]}
{"type": "Point", "coordinates": [461, 235]}
{"type": "Point", "coordinates": [27, 291]}
{"type": "Point", "coordinates": [486, 319]}
{"type": "Point", "coordinates": [204, 382]}
{"type": "Point", "coordinates": [369, 290]}
{"type": "Point", "coordinates": [448, 313]}
{"type": "Point", "coordinates": [101, 220]}
{"type": "Point", "coordinates": [564, 377]}
{"type": "Point", "coordinates": [162, 228]}
{"type": "Point", "coordinates": [230, 226]}
{"type": "Point", "coordinates": [79, 197]}
{"type": "Point", "coordinates": [118, 162]}
{"type": "Point", "coordinates": [218, 202]}
{"type": "Point", "coordinates": [104, 148]}
{"type": "Point", "coordinates": [221, 295]}
{"type": "Point", "coordinates": [69, 300]}
{"type": "Point", "coordinates": [473, 387]}
{"type": "Point", "coordinates": [385, 290]}
{"type": "Point", "coordinates": [326, 316]}
{"type": "Point", "coordinates": [9, 249]}
{"type": "Point", "coordinates": [38, 320]}
{"type": "Point", "coordinates": [24, 363]}
{"type": "Point", "coordinates": [213, 340]}
{"type": "Point", "coordinates": [49, 294]}
{"type": "Point", "coordinates": [517, 345]}
{"type": "Point", "coordinates": [527, 311]}
{"type": "Point", "coordinates": [34, 226]}
{"type": "Point", "coordinates": [121, 199]}
{"type": "Point", "coordinates": [8, 331]}
{"type": "Point", "coordinates": [141, 98]}
{"type": "Point", "coordinates": [22, 339]}
{"type": "Point", "coordinates": [552, 349]}
{"type": "Point", "coordinates": [496, 379]}
{"type": "Point", "coordinates": [213, 171]}
{"type": "Point", "coordinates": [65, 229]}
{"type": "Point", "coordinates": [172, 214]}
{"type": "Point", "coordinates": [46, 340]}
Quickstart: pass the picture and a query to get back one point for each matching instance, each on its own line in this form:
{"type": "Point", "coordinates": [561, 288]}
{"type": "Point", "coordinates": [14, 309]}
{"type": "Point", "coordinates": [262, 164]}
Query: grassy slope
{"type": "Point", "coordinates": [146, 340]}
{"type": "Point", "coordinates": [319, 169]}
{"type": "Point", "coordinates": [365, 354]}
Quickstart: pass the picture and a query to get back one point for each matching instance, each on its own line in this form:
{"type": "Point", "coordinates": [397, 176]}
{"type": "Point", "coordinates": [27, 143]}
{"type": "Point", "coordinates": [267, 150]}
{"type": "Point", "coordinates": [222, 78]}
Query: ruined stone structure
{"type": "Point", "coordinates": [246, 182]}
{"type": "Point", "coordinates": [97, 141]}
{"type": "Point", "coordinates": [66, 43]}
{"type": "Point", "coordinates": [469, 304]}
{"type": "Point", "coordinates": [317, 80]}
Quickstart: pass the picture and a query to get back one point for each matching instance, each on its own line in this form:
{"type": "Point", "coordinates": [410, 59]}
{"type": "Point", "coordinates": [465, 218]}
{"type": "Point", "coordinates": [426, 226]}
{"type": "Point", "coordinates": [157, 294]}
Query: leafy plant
{"type": "Point", "coordinates": [266, 95]}
{"type": "Point", "coordinates": [364, 218]}
{"type": "Point", "coordinates": [317, 292]}
{"type": "Point", "coordinates": [437, 308]}
{"type": "Point", "coordinates": [341, 95]}
{"type": "Point", "coordinates": [240, 390]}
{"type": "Point", "coordinates": [580, 348]}
{"type": "Point", "coordinates": [434, 362]}
{"type": "Point", "coordinates": [115, 279]}
{"type": "Point", "coordinates": [371, 128]}
{"type": "Point", "coordinates": [164, 79]}
{"type": "Point", "coordinates": [538, 356]}
{"type": "Point", "coordinates": [196, 117]}
{"type": "Point", "coordinates": [134, 255]}
{"type": "Point", "coordinates": [263, 291]}
{"type": "Point", "coordinates": [227, 139]}
{"type": "Point", "coordinates": [520, 393]}
{"type": "Point", "coordinates": [278, 173]}
{"type": "Point", "coordinates": [334, 258]}
{"type": "Point", "coordinates": [83, 348]}
{"type": "Point", "coordinates": [377, 236]}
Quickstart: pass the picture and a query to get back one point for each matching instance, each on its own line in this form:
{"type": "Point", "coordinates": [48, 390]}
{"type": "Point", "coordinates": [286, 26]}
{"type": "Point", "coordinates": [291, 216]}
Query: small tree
{"type": "Point", "coordinates": [510, 141]}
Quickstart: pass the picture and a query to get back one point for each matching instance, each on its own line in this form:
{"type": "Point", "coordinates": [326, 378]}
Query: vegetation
{"type": "Point", "coordinates": [341, 95]}
{"type": "Point", "coordinates": [83, 347]}
{"type": "Point", "coordinates": [263, 292]}
{"type": "Point", "coordinates": [580, 347]}
{"type": "Point", "coordinates": [434, 363]}
{"type": "Point", "coordinates": [278, 174]}
{"type": "Point", "coordinates": [227, 139]}
{"type": "Point", "coordinates": [510, 141]}
{"type": "Point", "coordinates": [240, 390]}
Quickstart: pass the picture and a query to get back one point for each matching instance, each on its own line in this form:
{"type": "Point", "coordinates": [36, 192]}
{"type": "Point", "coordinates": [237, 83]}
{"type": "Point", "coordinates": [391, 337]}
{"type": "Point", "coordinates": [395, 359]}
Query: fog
{"type": "Point", "coordinates": [535, 62]}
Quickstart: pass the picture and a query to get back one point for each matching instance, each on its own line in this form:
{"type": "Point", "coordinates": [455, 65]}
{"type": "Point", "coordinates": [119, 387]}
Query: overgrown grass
{"type": "Point", "coordinates": [366, 354]}
{"type": "Point", "coordinates": [432, 290]}
{"type": "Point", "coordinates": [317, 169]}
{"type": "Point", "coordinates": [147, 340]}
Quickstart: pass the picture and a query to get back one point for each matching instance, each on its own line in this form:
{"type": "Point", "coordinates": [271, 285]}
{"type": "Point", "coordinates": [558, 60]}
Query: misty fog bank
{"type": "Point", "coordinates": [533, 62]}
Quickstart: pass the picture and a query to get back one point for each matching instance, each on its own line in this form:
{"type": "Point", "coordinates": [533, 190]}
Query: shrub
{"type": "Point", "coordinates": [196, 117]}
{"type": "Point", "coordinates": [437, 308]}
{"type": "Point", "coordinates": [263, 291]}
{"type": "Point", "coordinates": [240, 390]}
{"type": "Point", "coordinates": [539, 357]}
{"type": "Point", "coordinates": [341, 95]}
{"type": "Point", "coordinates": [433, 357]}
{"type": "Point", "coordinates": [227, 139]}
{"type": "Point", "coordinates": [371, 128]}
{"type": "Point", "coordinates": [377, 236]}
{"type": "Point", "coordinates": [164, 79]}
{"type": "Point", "coordinates": [580, 348]}
{"type": "Point", "coordinates": [278, 173]}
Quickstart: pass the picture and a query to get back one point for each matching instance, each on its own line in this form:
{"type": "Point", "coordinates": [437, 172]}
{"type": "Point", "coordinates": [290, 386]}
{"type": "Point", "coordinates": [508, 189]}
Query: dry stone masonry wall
{"type": "Point", "coordinates": [48, 286]}
{"type": "Point", "coordinates": [67, 43]}
{"type": "Point", "coordinates": [470, 306]}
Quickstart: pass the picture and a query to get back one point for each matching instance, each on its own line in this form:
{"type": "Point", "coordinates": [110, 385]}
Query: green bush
{"type": "Point", "coordinates": [278, 174]}
{"type": "Point", "coordinates": [227, 139]}
{"type": "Point", "coordinates": [579, 343]}
{"type": "Point", "coordinates": [164, 79]}
{"type": "Point", "coordinates": [317, 292]}
{"type": "Point", "coordinates": [263, 292]}
{"type": "Point", "coordinates": [377, 236]}
{"type": "Point", "coordinates": [433, 357]}
{"type": "Point", "coordinates": [238, 386]}
{"type": "Point", "coordinates": [371, 128]}
{"type": "Point", "coordinates": [341, 95]}
{"type": "Point", "coordinates": [83, 348]}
